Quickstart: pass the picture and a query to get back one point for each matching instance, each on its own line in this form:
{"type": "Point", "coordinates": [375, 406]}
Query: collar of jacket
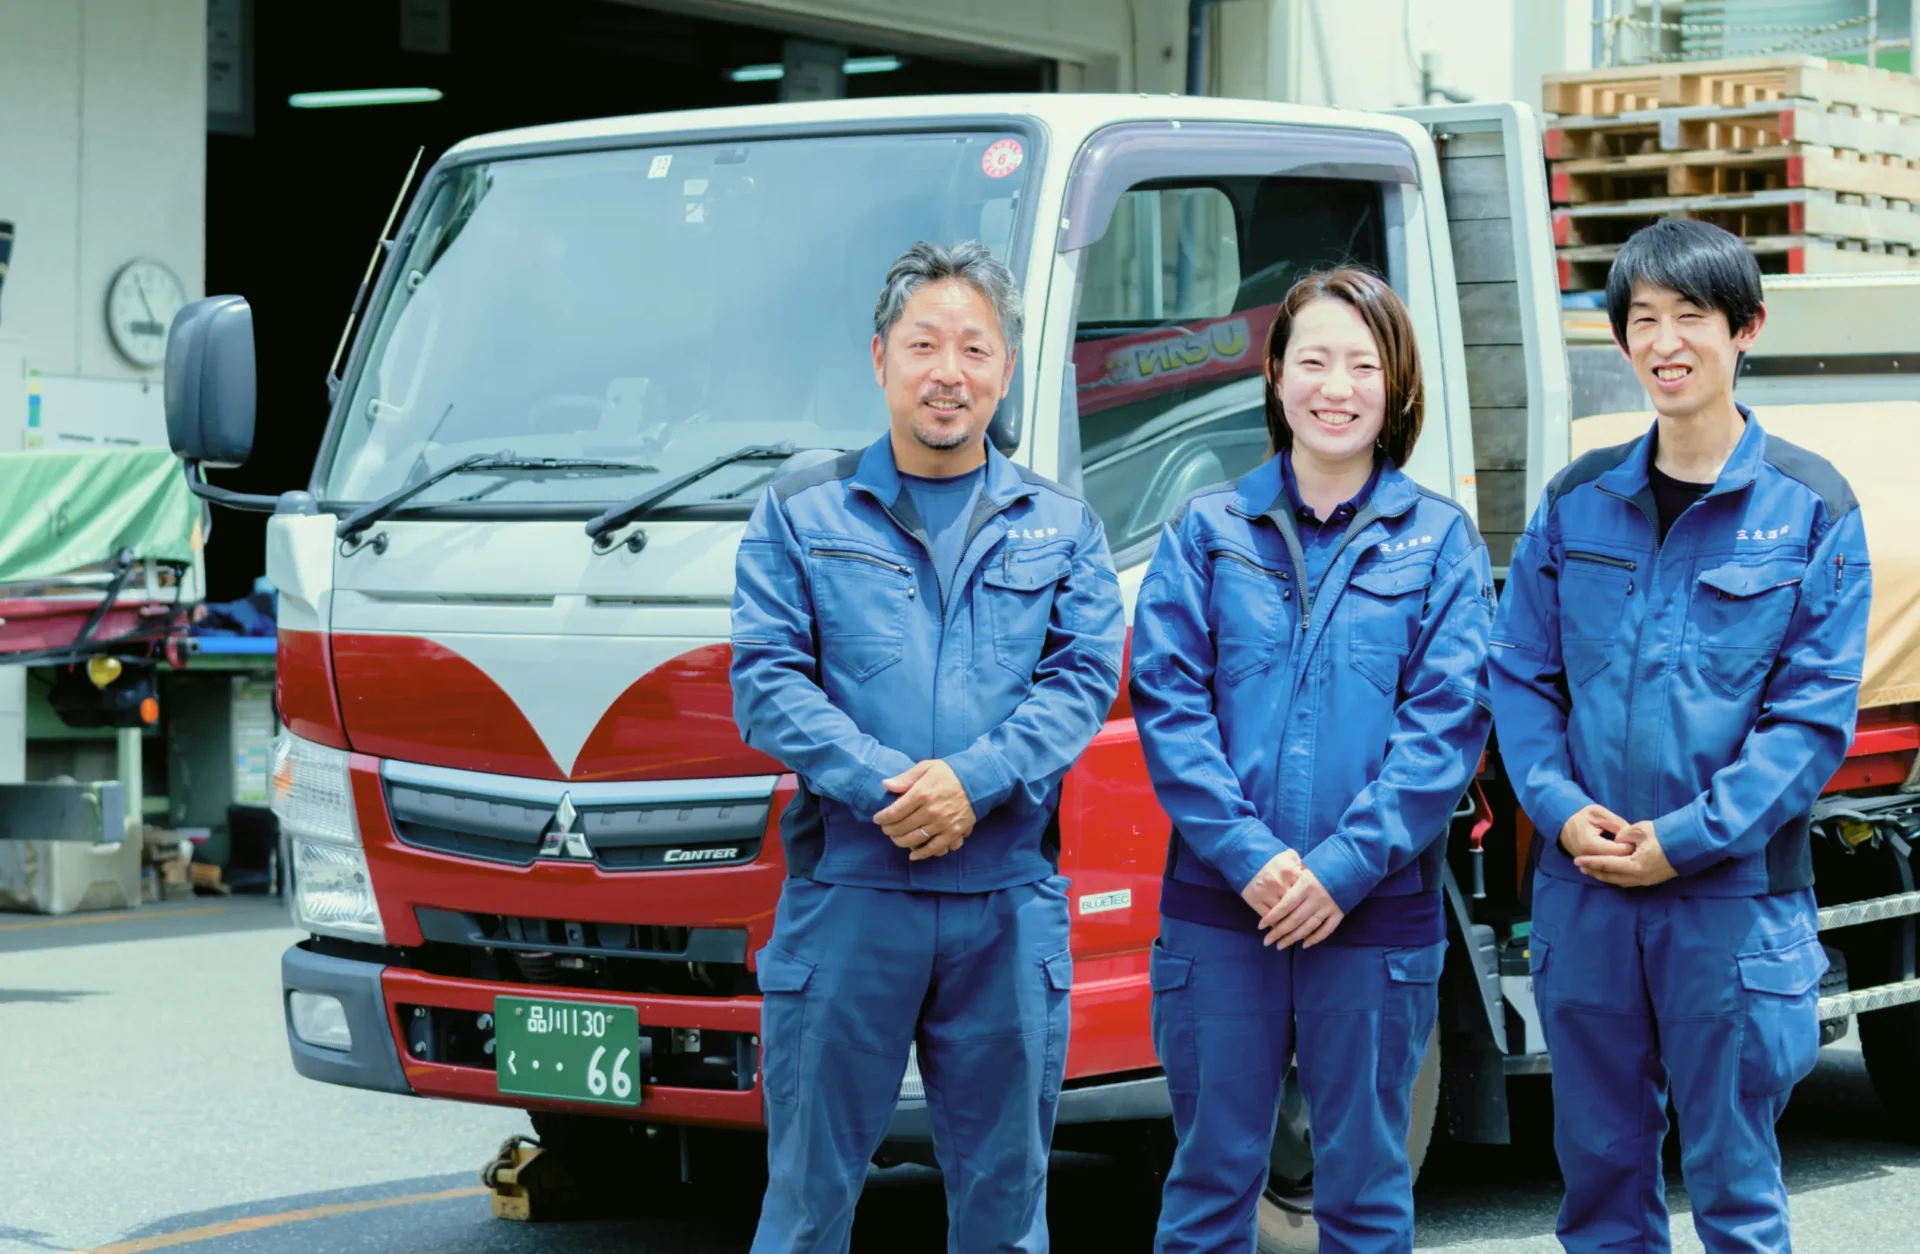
{"type": "Point", "coordinates": [1631, 478]}
{"type": "Point", "coordinates": [880, 478]}
{"type": "Point", "coordinates": [1264, 491]}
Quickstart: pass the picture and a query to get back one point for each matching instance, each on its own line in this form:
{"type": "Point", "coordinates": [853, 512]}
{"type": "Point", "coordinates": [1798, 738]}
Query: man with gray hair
{"type": "Point", "coordinates": [928, 636]}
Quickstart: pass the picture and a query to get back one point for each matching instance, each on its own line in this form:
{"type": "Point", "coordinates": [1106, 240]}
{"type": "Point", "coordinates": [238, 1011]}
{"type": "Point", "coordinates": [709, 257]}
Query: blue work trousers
{"type": "Point", "coordinates": [1229, 1015]}
{"type": "Point", "coordinates": [851, 978]}
{"type": "Point", "coordinates": [1713, 997]}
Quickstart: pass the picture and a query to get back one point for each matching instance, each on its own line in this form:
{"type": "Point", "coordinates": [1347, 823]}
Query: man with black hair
{"type": "Point", "coordinates": [1675, 662]}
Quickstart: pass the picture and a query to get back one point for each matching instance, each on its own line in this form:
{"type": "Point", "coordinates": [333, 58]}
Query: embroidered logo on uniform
{"type": "Point", "coordinates": [1757, 533]}
{"type": "Point", "coordinates": [1411, 542]}
{"type": "Point", "coordinates": [1031, 533]}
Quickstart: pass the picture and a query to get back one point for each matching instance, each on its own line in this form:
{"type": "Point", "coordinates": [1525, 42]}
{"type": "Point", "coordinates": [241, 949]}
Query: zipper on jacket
{"type": "Point", "coordinates": [1248, 562]}
{"type": "Point", "coordinates": [854, 555]}
{"type": "Point", "coordinates": [1361, 521]}
{"type": "Point", "coordinates": [1653, 587]}
{"type": "Point", "coordinates": [1601, 559]}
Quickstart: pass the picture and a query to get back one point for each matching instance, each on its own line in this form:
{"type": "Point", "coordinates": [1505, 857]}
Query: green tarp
{"type": "Point", "coordinates": [62, 510]}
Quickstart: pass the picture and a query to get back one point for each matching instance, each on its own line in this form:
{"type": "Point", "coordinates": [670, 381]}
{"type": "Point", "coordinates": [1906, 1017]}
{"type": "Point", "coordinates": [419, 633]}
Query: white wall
{"type": "Point", "coordinates": [1366, 53]}
{"type": "Point", "coordinates": [102, 160]}
{"type": "Point", "coordinates": [1352, 53]}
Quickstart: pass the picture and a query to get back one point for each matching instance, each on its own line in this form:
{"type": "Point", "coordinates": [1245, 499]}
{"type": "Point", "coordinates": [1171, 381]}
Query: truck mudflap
{"type": "Point", "coordinates": [95, 813]}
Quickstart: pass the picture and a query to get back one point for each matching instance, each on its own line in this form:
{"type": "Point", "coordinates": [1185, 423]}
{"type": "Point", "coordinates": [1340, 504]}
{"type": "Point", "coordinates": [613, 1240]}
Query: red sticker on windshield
{"type": "Point", "coordinates": [1002, 158]}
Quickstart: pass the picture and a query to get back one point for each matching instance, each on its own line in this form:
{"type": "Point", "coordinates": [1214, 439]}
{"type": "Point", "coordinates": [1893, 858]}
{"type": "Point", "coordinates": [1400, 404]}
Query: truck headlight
{"type": "Point", "coordinates": [312, 796]}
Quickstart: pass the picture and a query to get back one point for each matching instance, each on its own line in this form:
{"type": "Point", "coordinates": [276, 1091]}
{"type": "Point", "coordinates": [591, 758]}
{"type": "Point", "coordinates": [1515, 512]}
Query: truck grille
{"type": "Point", "coordinates": [598, 940]}
{"type": "Point", "coordinates": [640, 826]}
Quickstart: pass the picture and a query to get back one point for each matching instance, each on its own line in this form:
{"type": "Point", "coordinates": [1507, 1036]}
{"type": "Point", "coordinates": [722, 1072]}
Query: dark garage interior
{"type": "Point", "coordinates": [295, 203]}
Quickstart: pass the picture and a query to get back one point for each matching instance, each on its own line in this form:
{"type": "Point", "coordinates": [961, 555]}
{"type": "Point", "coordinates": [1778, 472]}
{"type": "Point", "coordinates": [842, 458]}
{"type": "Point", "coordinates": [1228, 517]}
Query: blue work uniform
{"type": "Point", "coordinates": [1319, 688]}
{"type": "Point", "coordinates": [856, 655]}
{"type": "Point", "coordinates": [1706, 681]}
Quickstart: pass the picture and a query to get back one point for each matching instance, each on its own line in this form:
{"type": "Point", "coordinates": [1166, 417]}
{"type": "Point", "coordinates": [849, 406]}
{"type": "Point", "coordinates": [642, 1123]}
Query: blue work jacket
{"type": "Point", "coordinates": [1708, 682]}
{"type": "Point", "coordinates": [848, 669]}
{"type": "Point", "coordinates": [1343, 722]}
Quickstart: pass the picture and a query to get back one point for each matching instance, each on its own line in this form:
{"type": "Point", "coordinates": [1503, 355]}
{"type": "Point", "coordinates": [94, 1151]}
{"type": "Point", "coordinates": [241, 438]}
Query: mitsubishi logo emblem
{"type": "Point", "coordinates": [563, 837]}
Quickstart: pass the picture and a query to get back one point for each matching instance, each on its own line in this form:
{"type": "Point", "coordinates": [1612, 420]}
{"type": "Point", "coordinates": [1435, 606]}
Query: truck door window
{"type": "Point", "coordinates": [1176, 299]}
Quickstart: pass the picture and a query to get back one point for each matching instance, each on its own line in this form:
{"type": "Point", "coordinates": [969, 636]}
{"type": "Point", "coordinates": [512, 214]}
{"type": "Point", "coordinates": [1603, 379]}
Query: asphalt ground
{"type": "Point", "coordinates": [149, 1104]}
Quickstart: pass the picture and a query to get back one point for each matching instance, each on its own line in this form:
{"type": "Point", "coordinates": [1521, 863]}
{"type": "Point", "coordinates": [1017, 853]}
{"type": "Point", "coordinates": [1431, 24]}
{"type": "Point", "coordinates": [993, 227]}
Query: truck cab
{"type": "Point", "coordinates": [509, 774]}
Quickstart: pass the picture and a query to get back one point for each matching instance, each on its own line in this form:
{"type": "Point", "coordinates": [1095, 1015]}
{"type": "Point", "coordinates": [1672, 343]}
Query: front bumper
{"type": "Point", "coordinates": [373, 1062]}
{"type": "Point", "coordinates": [377, 996]}
{"type": "Point", "coordinates": [374, 995]}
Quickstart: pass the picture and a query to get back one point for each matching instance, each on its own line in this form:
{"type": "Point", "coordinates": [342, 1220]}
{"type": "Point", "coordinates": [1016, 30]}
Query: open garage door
{"type": "Point", "coordinates": [299, 182]}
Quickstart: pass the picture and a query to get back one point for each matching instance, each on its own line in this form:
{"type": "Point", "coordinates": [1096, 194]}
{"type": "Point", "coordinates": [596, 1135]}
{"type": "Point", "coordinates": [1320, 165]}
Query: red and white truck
{"type": "Point", "coordinates": [510, 788]}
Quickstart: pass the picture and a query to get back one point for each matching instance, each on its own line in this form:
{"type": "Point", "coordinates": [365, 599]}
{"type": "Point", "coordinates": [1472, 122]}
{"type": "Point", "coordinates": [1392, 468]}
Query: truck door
{"type": "Point", "coordinates": [1493, 179]}
{"type": "Point", "coordinates": [1178, 243]}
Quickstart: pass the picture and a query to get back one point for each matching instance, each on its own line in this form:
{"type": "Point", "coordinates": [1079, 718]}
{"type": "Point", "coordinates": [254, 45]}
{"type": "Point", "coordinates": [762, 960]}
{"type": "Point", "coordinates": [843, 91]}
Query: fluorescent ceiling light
{"type": "Point", "coordinates": [363, 96]}
{"type": "Point", "coordinates": [852, 65]}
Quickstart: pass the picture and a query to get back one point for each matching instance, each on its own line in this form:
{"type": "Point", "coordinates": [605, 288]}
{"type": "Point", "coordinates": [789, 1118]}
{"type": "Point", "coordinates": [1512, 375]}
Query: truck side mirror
{"type": "Point", "coordinates": [210, 382]}
{"type": "Point", "coordinates": [1006, 428]}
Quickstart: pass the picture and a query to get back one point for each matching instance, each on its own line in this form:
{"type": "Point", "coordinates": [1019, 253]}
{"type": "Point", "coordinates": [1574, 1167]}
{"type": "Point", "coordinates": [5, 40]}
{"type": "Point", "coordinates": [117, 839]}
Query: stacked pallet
{"type": "Point", "coordinates": [1815, 163]}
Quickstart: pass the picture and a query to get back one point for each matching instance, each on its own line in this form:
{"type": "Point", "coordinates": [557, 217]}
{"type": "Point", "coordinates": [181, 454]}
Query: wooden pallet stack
{"type": "Point", "coordinates": [1815, 163]}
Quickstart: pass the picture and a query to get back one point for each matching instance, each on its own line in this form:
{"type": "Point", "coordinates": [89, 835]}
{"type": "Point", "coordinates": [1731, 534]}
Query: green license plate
{"type": "Point", "coordinates": [570, 1050]}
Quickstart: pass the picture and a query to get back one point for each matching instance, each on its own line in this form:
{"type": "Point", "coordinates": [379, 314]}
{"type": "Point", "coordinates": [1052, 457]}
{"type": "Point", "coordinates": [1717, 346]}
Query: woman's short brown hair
{"type": "Point", "coordinates": [1392, 329]}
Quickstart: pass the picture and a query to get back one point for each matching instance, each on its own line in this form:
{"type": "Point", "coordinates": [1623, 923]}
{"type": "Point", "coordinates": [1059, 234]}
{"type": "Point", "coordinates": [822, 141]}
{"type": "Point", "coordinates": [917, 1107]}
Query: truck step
{"type": "Point", "coordinates": [1864, 1000]}
{"type": "Point", "coordinates": [1854, 913]}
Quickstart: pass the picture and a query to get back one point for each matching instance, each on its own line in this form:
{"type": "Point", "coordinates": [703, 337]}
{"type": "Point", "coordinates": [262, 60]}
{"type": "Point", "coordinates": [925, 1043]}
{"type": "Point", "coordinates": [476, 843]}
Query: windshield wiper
{"type": "Point", "coordinates": [373, 511]}
{"type": "Point", "coordinates": [620, 515]}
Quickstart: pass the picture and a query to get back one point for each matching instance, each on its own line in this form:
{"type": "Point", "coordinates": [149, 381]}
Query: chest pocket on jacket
{"type": "Point", "coordinates": [1738, 618]}
{"type": "Point", "coordinates": [1018, 589]}
{"type": "Point", "coordinates": [860, 603]}
{"type": "Point", "coordinates": [1383, 608]}
{"type": "Point", "coordinates": [1594, 587]}
{"type": "Point", "coordinates": [1250, 611]}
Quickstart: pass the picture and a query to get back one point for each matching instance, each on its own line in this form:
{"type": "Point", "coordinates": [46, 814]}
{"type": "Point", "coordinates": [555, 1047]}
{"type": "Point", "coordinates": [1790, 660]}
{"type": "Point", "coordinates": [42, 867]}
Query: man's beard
{"type": "Point", "coordinates": [942, 439]}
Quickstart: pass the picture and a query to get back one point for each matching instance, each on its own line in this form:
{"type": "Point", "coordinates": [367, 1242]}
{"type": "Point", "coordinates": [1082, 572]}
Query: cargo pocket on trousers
{"type": "Point", "coordinates": [1059, 991]}
{"type": "Point", "coordinates": [1780, 1040]}
{"type": "Point", "coordinates": [1174, 1030]}
{"type": "Point", "coordinates": [1413, 1007]}
{"type": "Point", "coordinates": [783, 1015]}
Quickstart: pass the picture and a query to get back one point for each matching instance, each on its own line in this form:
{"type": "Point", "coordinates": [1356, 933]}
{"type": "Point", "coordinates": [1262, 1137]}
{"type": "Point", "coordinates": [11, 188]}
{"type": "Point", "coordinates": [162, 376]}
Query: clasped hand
{"type": "Point", "coordinates": [932, 815]}
{"type": "Point", "coordinates": [1292, 903]}
{"type": "Point", "coordinates": [1608, 848]}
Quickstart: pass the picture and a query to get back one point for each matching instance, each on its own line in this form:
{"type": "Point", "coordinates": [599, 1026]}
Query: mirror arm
{"type": "Point", "coordinates": [248, 502]}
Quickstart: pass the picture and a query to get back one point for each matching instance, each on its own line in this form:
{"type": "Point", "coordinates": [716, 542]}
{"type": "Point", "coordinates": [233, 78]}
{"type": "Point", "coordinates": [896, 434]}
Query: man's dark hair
{"type": "Point", "coordinates": [1707, 265]}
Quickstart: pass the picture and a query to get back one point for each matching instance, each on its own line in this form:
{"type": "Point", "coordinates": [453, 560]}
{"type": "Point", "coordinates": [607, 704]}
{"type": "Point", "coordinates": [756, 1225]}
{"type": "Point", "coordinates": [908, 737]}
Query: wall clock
{"type": "Point", "coordinates": [141, 302]}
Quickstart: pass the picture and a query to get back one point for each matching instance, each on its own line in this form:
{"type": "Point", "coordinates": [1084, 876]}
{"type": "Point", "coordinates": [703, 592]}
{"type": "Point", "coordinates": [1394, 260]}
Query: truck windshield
{"type": "Point", "coordinates": [653, 306]}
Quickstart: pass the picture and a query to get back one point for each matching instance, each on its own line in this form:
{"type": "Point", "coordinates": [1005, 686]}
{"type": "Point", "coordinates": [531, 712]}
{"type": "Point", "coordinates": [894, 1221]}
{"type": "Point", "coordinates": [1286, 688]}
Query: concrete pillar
{"type": "Point", "coordinates": [131, 776]}
{"type": "Point", "coordinates": [13, 724]}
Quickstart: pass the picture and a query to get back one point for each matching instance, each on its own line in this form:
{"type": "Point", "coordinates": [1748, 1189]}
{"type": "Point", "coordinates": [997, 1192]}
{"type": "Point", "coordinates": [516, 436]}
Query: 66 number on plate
{"type": "Point", "coordinates": [572, 1050]}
